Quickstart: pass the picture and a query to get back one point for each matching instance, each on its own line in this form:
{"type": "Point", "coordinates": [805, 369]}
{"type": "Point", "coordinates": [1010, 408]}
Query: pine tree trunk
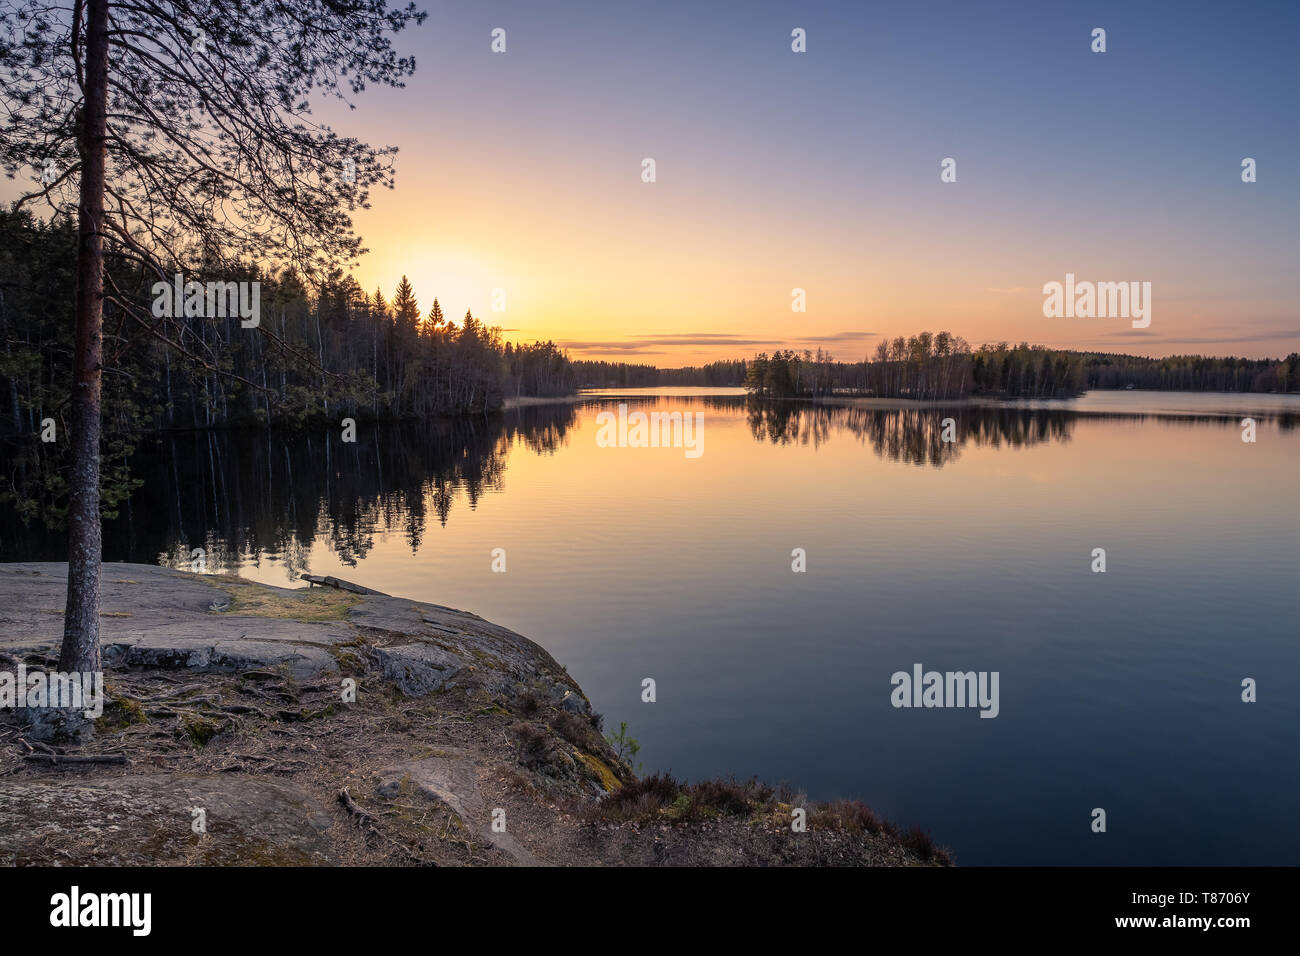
{"type": "Point", "coordinates": [81, 618]}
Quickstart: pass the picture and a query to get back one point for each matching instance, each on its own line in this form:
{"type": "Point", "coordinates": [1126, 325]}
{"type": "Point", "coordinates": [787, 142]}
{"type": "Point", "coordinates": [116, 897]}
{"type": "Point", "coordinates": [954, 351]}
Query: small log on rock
{"type": "Point", "coordinates": [325, 580]}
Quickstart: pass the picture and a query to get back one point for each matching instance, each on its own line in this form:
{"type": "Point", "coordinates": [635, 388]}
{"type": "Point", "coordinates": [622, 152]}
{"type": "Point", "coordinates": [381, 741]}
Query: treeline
{"type": "Point", "coordinates": [315, 354]}
{"type": "Point", "coordinates": [313, 357]}
{"type": "Point", "coordinates": [788, 374]}
{"type": "Point", "coordinates": [1193, 373]}
{"type": "Point", "coordinates": [941, 366]}
{"type": "Point", "coordinates": [926, 366]}
{"type": "Point", "coordinates": [1027, 371]}
{"type": "Point", "coordinates": [720, 374]}
{"type": "Point", "coordinates": [539, 369]}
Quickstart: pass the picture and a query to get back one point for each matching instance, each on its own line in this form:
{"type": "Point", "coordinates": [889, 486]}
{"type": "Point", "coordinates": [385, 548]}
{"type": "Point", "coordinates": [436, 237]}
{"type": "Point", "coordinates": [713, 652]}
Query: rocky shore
{"type": "Point", "coordinates": [253, 725]}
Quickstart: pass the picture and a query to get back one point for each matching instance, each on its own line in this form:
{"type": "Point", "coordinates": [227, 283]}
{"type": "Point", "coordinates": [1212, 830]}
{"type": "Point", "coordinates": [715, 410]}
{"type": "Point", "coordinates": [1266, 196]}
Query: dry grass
{"type": "Point", "coordinates": [661, 798]}
{"type": "Point", "coordinates": [309, 605]}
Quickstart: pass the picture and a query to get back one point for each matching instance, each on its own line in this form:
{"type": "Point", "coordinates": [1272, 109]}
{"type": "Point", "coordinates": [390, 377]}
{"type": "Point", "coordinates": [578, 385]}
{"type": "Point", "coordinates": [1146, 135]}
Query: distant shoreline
{"type": "Point", "coordinates": [865, 401]}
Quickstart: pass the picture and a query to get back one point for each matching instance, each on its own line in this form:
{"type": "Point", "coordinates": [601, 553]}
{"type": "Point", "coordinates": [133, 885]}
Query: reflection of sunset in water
{"type": "Point", "coordinates": [971, 555]}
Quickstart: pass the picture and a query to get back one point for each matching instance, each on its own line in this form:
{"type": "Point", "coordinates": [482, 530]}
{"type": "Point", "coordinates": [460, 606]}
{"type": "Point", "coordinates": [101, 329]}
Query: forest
{"type": "Point", "coordinates": [320, 355]}
{"type": "Point", "coordinates": [721, 374]}
{"type": "Point", "coordinates": [316, 355]}
{"type": "Point", "coordinates": [941, 366]}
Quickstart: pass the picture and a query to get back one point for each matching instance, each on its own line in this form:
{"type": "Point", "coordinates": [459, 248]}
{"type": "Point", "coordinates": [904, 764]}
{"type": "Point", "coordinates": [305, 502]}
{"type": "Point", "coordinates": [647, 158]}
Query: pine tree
{"type": "Point", "coordinates": [145, 132]}
{"type": "Point", "coordinates": [469, 330]}
{"type": "Point", "coordinates": [406, 311]}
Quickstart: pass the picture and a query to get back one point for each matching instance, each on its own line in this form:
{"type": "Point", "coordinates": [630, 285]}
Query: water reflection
{"type": "Point", "coordinates": [243, 495]}
{"type": "Point", "coordinates": [919, 436]}
{"type": "Point", "coordinates": [240, 495]}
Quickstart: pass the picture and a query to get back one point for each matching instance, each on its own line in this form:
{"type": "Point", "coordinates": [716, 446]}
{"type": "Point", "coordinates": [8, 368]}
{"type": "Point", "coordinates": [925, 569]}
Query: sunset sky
{"type": "Point", "coordinates": [820, 170]}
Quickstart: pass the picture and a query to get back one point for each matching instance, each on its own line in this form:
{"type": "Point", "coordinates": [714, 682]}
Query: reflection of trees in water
{"type": "Point", "coordinates": [282, 494]}
{"type": "Point", "coordinates": [541, 428]}
{"type": "Point", "coordinates": [786, 423]}
{"type": "Point", "coordinates": [915, 434]}
{"type": "Point", "coordinates": [244, 495]}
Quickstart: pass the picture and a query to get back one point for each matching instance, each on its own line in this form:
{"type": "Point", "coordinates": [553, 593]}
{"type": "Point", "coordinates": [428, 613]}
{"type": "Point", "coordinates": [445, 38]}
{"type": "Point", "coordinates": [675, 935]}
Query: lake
{"type": "Point", "coordinates": [1119, 690]}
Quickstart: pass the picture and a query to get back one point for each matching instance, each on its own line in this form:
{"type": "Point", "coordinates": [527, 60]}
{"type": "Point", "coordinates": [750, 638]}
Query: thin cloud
{"type": "Point", "coordinates": [838, 337]}
{"type": "Point", "coordinates": [654, 344]}
{"type": "Point", "coordinates": [1159, 338]}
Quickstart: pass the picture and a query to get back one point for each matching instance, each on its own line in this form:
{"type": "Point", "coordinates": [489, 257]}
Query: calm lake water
{"type": "Point", "coordinates": [1119, 690]}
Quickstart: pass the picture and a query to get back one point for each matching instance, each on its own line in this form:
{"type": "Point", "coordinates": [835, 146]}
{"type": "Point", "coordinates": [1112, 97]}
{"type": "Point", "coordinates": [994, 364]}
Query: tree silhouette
{"type": "Point", "coordinates": [406, 310]}
{"type": "Point", "coordinates": [181, 135]}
